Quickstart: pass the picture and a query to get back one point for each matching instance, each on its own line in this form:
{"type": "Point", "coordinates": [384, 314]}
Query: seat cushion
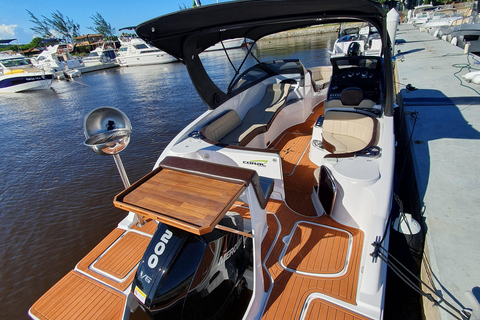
{"type": "Point", "coordinates": [345, 132]}
{"type": "Point", "coordinates": [221, 126]}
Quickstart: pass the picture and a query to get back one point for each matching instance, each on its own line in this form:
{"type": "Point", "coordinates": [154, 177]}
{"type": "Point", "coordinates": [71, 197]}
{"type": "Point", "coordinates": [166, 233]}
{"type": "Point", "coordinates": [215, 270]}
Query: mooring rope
{"type": "Point", "coordinates": [396, 266]}
{"type": "Point", "coordinates": [399, 269]}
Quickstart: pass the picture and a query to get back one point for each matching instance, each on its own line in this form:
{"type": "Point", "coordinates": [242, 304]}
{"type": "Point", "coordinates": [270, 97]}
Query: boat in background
{"type": "Point", "coordinates": [17, 74]}
{"type": "Point", "coordinates": [355, 40]}
{"type": "Point", "coordinates": [418, 11]}
{"type": "Point", "coordinates": [274, 203]}
{"type": "Point", "coordinates": [102, 57]}
{"type": "Point", "coordinates": [134, 51]}
{"type": "Point", "coordinates": [230, 44]}
{"type": "Point", "coordinates": [58, 59]}
{"type": "Point", "coordinates": [441, 19]}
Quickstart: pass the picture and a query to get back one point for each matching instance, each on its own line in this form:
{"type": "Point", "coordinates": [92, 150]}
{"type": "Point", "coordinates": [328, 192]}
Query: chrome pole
{"type": "Point", "coordinates": [126, 183]}
{"type": "Point", "coordinates": [121, 170]}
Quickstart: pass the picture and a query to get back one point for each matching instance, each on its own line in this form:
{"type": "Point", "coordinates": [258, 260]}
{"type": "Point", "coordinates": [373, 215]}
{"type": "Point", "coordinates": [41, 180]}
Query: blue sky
{"type": "Point", "coordinates": [15, 20]}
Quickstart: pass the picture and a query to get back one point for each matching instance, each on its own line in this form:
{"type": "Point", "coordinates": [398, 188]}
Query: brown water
{"type": "Point", "coordinates": [56, 195]}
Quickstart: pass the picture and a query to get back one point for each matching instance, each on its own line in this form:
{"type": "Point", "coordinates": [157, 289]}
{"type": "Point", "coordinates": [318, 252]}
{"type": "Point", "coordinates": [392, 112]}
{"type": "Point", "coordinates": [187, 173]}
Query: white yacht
{"type": "Point", "coordinates": [58, 58]}
{"type": "Point", "coordinates": [136, 52]}
{"type": "Point", "coordinates": [273, 204]}
{"type": "Point", "coordinates": [17, 74]}
{"type": "Point", "coordinates": [102, 57]}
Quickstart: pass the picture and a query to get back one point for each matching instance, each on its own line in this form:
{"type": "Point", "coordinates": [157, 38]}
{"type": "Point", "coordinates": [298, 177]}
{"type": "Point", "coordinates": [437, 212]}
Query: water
{"type": "Point", "coordinates": [56, 195]}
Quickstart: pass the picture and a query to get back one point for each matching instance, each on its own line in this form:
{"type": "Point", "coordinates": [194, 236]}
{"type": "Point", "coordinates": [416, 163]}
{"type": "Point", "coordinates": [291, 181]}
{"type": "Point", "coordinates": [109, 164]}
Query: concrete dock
{"type": "Point", "coordinates": [444, 114]}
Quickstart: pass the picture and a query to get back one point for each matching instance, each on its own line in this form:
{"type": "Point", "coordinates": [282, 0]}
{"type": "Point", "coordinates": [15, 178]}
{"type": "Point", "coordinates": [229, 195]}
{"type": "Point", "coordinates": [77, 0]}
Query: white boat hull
{"type": "Point", "coordinates": [25, 82]}
{"type": "Point", "coordinates": [98, 66]}
{"type": "Point", "coordinates": [145, 59]}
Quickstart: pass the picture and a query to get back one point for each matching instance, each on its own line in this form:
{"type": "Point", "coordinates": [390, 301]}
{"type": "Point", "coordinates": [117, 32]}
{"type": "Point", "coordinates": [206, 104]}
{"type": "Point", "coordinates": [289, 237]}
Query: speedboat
{"type": "Point", "coordinates": [17, 74]}
{"type": "Point", "coordinates": [58, 59]}
{"type": "Point", "coordinates": [417, 11]}
{"type": "Point", "coordinates": [134, 51]}
{"type": "Point", "coordinates": [355, 40]}
{"type": "Point", "coordinates": [272, 204]}
{"type": "Point", "coordinates": [465, 33]}
{"type": "Point", "coordinates": [441, 19]}
{"type": "Point", "coordinates": [102, 57]}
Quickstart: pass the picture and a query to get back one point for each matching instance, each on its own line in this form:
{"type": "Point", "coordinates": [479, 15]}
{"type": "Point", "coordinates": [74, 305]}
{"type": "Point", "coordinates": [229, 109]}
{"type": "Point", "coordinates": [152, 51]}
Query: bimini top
{"type": "Point", "coordinates": [186, 33]}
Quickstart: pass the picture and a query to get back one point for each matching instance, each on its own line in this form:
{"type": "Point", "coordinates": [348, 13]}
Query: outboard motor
{"type": "Point", "coordinates": [186, 276]}
{"type": "Point", "coordinates": [353, 49]}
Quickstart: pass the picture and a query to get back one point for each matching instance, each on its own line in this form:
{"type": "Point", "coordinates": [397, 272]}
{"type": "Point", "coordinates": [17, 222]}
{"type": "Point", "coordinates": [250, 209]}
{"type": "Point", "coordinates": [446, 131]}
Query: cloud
{"type": "Point", "coordinates": [7, 31]}
{"type": "Point", "coordinates": [16, 32]}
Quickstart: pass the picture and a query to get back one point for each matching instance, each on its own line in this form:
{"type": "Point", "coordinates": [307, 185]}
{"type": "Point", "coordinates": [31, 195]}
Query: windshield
{"type": "Point", "coordinates": [347, 63]}
{"type": "Point", "coordinates": [265, 70]}
{"type": "Point", "coordinates": [15, 62]}
{"type": "Point", "coordinates": [141, 46]}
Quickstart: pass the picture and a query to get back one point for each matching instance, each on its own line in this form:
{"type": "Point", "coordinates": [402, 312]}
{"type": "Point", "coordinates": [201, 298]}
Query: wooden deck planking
{"type": "Point", "coordinates": [300, 286]}
{"type": "Point", "coordinates": [322, 310]}
{"type": "Point", "coordinates": [149, 227]}
{"type": "Point", "coordinates": [186, 201]}
{"type": "Point", "coordinates": [79, 297]}
{"type": "Point", "coordinates": [325, 252]}
{"type": "Point", "coordinates": [294, 143]}
{"type": "Point", "coordinates": [121, 259]}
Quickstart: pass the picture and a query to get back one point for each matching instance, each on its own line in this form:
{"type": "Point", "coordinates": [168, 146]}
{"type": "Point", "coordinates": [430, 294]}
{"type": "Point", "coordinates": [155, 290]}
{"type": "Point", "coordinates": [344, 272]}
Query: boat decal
{"type": "Point", "coordinates": [258, 163]}
{"type": "Point", "coordinates": [139, 294]}
{"type": "Point", "coordinates": [159, 249]}
{"type": "Point", "coordinates": [230, 252]}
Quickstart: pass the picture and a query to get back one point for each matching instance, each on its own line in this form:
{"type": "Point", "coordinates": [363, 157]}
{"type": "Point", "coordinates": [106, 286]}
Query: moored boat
{"type": "Point", "coordinates": [441, 19]}
{"type": "Point", "coordinates": [134, 51]}
{"type": "Point", "coordinates": [58, 59]}
{"type": "Point", "coordinates": [102, 57]}
{"type": "Point", "coordinates": [267, 205]}
{"type": "Point", "coordinates": [17, 74]}
{"type": "Point", "coordinates": [356, 40]}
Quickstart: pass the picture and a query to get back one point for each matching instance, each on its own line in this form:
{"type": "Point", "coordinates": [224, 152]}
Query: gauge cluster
{"type": "Point", "coordinates": [360, 72]}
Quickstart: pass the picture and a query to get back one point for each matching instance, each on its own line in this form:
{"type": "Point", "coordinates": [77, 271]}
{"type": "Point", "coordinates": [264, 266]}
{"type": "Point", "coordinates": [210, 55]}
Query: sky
{"type": "Point", "coordinates": [15, 20]}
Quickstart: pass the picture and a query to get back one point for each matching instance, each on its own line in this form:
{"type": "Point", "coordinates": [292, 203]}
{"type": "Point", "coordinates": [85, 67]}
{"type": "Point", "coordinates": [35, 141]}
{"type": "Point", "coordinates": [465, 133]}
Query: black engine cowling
{"type": "Point", "coordinates": [186, 276]}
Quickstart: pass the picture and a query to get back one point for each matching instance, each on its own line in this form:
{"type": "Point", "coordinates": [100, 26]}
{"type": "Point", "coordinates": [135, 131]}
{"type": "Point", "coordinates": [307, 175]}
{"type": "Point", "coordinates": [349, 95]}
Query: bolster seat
{"type": "Point", "coordinates": [258, 118]}
{"type": "Point", "coordinates": [221, 126]}
{"type": "Point", "coordinates": [348, 132]}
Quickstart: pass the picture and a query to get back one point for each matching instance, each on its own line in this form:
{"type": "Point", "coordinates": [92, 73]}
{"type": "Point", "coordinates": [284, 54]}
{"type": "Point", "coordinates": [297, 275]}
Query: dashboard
{"type": "Point", "coordinates": [360, 72]}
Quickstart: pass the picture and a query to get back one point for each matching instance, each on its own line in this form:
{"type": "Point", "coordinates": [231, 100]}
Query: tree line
{"type": "Point", "coordinates": [62, 25]}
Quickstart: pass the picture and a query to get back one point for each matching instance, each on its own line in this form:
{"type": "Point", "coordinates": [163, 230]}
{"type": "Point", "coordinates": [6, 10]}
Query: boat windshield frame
{"type": "Point", "coordinates": [186, 33]}
{"type": "Point", "coordinates": [265, 70]}
{"type": "Point", "coordinates": [7, 63]}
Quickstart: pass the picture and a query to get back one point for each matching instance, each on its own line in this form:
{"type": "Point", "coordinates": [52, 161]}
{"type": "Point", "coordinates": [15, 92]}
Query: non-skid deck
{"type": "Point", "coordinates": [77, 296]}
{"type": "Point", "coordinates": [320, 258]}
{"type": "Point", "coordinates": [319, 309]}
{"type": "Point", "coordinates": [294, 146]}
{"type": "Point", "coordinates": [94, 290]}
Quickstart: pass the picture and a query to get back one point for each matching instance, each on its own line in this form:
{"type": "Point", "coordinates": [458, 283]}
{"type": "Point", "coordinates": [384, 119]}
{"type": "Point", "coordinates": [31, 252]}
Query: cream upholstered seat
{"type": "Point", "coordinates": [221, 126]}
{"type": "Point", "coordinates": [350, 98]}
{"type": "Point", "coordinates": [258, 118]}
{"type": "Point", "coordinates": [229, 129]}
{"type": "Point", "coordinates": [348, 132]}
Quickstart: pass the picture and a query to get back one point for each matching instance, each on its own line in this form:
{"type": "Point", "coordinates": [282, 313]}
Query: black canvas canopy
{"type": "Point", "coordinates": [5, 41]}
{"type": "Point", "coordinates": [186, 33]}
